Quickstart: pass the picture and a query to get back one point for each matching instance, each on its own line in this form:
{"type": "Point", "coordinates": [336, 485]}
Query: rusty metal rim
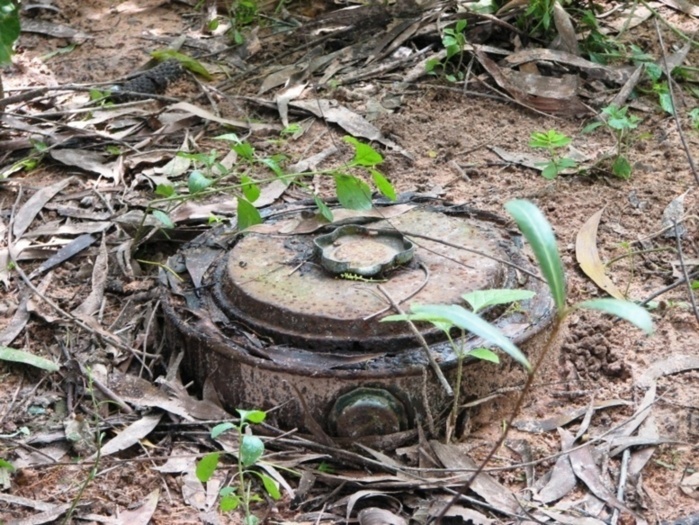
{"type": "Point", "coordinates": [218, 342]}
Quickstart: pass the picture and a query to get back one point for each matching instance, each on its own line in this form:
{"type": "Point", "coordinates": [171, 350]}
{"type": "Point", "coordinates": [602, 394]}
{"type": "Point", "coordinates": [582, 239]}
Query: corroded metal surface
{"type": "Point", "coordinates": [260, 319]}
{"type": "Point", "coordinates": [277, 287]}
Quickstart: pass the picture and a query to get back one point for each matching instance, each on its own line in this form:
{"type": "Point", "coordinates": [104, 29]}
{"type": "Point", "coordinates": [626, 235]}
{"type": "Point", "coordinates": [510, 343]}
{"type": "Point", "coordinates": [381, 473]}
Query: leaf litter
{"type": "Point", "coordinates": [366, 58]}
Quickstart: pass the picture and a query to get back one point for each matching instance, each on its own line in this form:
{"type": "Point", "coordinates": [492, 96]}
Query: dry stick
{"type": "Point", "coordinates": [471, 250]}
{"type": "Point", "coordinates": [508, 425]}
{"type": "Point", "coordinates": [423, 344]}
{"type": "Point", "coordinates": [685, 273]}
{"type": "Point", "coordinates": [668, 73]}
{"type": "Point", "coordinates": [667, 288]}
{"type": "Point", "coordinates": [622, 484]}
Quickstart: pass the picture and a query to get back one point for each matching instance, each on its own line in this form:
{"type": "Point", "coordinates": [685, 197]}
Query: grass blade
{"type": "Point", "coordinates": [539, 233]}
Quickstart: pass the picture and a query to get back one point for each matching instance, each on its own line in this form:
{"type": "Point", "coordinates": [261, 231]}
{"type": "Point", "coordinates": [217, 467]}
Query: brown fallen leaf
{"type": "Point", "coordinates": [587, 471]}
{"type": "Point", "coordinates": [562, 479]}
{"type": "Point", "coordinates": [35, 203]}
{"type": "Point", "coordinates": [142, 514]}
{"type": "Point", "coordinates": [130, 436]}
{"type": "Point", "coordinates": [588, 257]}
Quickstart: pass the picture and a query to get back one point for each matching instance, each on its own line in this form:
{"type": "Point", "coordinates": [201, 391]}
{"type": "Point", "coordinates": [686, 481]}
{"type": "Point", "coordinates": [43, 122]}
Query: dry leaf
{"type": "Point", "coordinates": [142, 514]}
{"type": "Point", "coordinates": [130, 436]}
{"type": "Point", "coordinates": [588, 257]}
{"type": "Point", "coordinates": [35, 203]}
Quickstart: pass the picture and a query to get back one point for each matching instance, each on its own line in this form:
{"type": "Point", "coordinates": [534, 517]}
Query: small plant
{"type": "Point", "coordinates": [620, 123]}
{"type": "Point", "coordinates": [694, 118]}
{"type": "Point", "coordinates": [207, 177]}
{"type": "Point", "coordinates": [552, 141]}
{"type": "Point", "coordinates": [539, 234]}
{"type": "Point", "coordinates": [596, 44]}
{"type": "Point", "coordinates": [448, 317]}
{"type": "Point", "coordinates": [453, 40]}
{"type": "Point", "coordinates": [240, 490]}
{"type": "Point", "coordinates": [9, 29]}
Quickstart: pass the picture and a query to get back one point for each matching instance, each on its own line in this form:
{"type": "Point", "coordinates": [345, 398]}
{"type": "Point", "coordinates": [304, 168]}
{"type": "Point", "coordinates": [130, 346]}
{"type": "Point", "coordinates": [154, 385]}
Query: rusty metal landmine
{"type": "Point", "coordinates": [261, 317]}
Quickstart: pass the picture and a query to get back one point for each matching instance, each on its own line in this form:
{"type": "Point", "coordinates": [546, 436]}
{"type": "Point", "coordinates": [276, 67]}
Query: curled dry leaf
{"type": "Point", "coordinates": [588, 257]}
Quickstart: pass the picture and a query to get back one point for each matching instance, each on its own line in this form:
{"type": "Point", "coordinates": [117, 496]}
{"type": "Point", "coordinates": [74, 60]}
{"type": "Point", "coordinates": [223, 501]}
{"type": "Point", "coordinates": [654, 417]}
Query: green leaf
{"type": "Point", "coordinates": [229, 137]}
{"type": "Point", "coordinates": [163, 218]}
{"type": "Point", "coordinates": [437, 321]}
{"type": "Point", "coordinates": [364, 155]}
{"type": "Point", "coordinates": [462, 318]}
{"type": "Point", "coordinates": [247, 215]}
{"type": "Point", "coordinates": [253, 416]}
{"type": "Point", "coordinates": [626, 310]}
{"type": "Point", "coordinates": [592, 127]}
{"type": "Point", "coordinates": [484, 355]}
{"type": "Point", "coordinates": [273, 164]}
{"type": "Point", "coordinates": [198, 182]}
{"type": "Point", "coordinates": [27, 358]}
{"type": "Point", "coordinates": [187, 62]}
{"type": "Point", "coordinates": [251, 519]}
{"type": "Point", "coordinates": [666, 102]}
{"type": "Point", "coordinates": [539, 234]}
{"type": "Point", "coordinates": [551, 139]}
{"type": "Point", "coordinates": [621, 167]}
{"type": "Point", "coordinates": [207, 466]}
{"type": "Point", "coordinates": [694, 115]}
{"type": "Point", "coordinates": [6, 465]}
{"type": "Point", "coordinates": [323, 209]}
{"type": "Point", "coordinates": [229, 499]}
{"type": "Point", "coordinates": [9, 30]}
{"type": "Point", "coordinates": [221, 428]}
{"type": "Point", "coordinates": [480, 299]}
{"type": "Point", "coordinates": [550, 171]}
{"type": "Point", "coordinates": [250, 189]}
{"type": "Point", "coordinates": [251, 449]}
{"type": "Point", "coordinates": [271, 486]}
{"type": "Point", "coordinates": [245, 150]}
{"type": "Point", "coordinates": [353, 193]}
{"type": "Point", "coordinates": [383, 185]}
{"type": "Point", "coordinates": [566, 163]}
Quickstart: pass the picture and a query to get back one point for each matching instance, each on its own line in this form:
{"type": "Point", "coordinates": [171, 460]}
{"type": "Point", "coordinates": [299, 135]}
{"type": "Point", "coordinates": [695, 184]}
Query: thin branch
{"type": "Point", "coordinates": [668, 73]}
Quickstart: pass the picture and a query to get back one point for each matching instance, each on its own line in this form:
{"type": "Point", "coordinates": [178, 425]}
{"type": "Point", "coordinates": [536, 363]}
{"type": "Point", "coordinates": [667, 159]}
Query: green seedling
{"type": "Point", "coordinates": [207, 177]}
{"type": "Point", "coordinates": [240, 491]}
{"type": "Point", "coordinates": [620, 123]}
{"type": "Point", "coordinates": [9, 31]}
{"type": "Point", "coordinates": [552, 141]}
{"type": "Point", "coordinates": [694, 118]}
{"type": "Point", "coordinates": [539, 234]}
{"type": "Point", "coordinates": [453, 40]}
{"type": "Point", "coordinates": [599, 47]}
{"type": "Point", "coordinates": [449, 317]}
{"type": "Point", "coordinates": [241, 14]}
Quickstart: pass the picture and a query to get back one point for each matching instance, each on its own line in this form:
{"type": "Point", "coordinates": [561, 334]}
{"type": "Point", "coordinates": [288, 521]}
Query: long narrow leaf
{"type": "Point", "coordinates": [459, 316]}
{"type": "Point", "coordinates": [631, 312]}
{"type": "Point", "coordinates": [539, 234]}
{"type": "Point", "coordinates": [27, 358]}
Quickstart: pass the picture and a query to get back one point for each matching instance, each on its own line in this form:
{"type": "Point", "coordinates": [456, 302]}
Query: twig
{"type": "Point", "coordinates": [411, 294]}
{"type": "Point", "coordinates": [435, 367]}
{"type": "Point", "coordinates": [684, 272]}
{"type": "Point", "coordinates": [675, 113]}
{"type": "Point", "coordinates": [669, 287]}
{"type": "Point", "coordinates": [470, 250]}
{"type": "Point", "coordinates": [622, 484]}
